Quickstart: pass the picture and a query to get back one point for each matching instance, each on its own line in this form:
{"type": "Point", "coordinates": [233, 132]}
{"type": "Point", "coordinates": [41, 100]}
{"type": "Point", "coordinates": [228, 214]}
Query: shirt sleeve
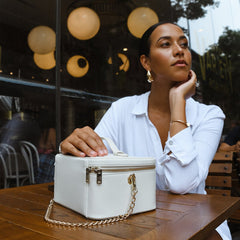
{"type": "Point", "coordinates": [188, 154]}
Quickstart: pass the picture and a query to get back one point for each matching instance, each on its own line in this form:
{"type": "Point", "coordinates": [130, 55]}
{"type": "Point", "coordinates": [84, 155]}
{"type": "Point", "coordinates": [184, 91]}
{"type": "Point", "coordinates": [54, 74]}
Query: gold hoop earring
{"type": "Point", "coordinates": [149, 77]}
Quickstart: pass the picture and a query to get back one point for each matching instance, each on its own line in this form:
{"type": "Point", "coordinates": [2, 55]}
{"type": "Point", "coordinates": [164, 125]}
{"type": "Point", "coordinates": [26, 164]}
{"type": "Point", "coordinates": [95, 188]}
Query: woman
{"type": "Point", "coordinates": [165, 123]}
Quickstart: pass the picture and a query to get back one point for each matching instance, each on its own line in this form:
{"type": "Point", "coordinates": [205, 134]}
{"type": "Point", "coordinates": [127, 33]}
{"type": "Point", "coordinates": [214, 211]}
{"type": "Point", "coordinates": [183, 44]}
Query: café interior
{"type": "Point", "coordinates": [63, 62]}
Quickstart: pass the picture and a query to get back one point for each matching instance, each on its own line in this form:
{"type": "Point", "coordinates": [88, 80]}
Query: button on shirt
{"type": "Point", "coordinates": [182, 166]}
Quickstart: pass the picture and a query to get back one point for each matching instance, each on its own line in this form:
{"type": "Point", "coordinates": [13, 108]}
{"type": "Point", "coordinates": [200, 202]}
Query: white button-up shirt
{"type": "Point", "coordinates": [191, 150]}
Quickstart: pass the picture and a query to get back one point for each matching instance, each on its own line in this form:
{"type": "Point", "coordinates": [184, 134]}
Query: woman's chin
{"type": "Point", "coordinates": [181, 77]}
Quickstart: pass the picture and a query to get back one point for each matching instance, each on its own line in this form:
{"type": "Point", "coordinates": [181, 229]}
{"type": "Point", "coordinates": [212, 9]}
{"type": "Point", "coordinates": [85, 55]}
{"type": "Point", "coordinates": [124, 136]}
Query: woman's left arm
{"type": "Point", "coordinates": [177, 100]}
{"type": "Point", "coordinates": [188, 154]}
{"type": "Point", "coordinates": [189, 151]}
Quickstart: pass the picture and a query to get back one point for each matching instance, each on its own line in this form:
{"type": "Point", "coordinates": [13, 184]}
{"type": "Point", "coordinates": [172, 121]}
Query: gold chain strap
{"type": "Point", "coordinates": [131, 181]}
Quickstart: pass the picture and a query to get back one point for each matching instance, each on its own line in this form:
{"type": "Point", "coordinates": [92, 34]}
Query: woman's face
{"type": "Point", "coordinates": [169, 56]}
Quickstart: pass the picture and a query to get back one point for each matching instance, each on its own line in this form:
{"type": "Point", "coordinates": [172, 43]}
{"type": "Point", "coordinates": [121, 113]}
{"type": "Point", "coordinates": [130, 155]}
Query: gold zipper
{"type": "Point", "coordinates": [99, 170]}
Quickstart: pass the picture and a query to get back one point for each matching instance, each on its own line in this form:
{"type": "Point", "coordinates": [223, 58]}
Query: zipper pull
{"type": "Point", "coordinates": [88, 170]}
{"type": "Point", "coordinates": [99, 175]}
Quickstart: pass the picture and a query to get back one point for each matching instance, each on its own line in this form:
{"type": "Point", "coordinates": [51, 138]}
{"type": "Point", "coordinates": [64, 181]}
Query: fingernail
{"type": "Point", "coordinates": [105, 151]}
{"type": "Point", "coordinates": [82, 154]}
{"type": "Point", "coordinates": [92, 153]}
{"type": "Point", "coordinates": [100, 152]}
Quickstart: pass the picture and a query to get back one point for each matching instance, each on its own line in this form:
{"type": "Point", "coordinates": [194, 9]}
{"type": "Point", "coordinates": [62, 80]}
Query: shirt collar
{"type": "Point", "coordinates": [141, 106]}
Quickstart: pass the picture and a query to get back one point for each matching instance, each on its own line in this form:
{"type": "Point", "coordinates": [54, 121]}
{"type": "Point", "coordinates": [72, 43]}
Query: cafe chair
{"type": "Point", "coordinates": [222, 180]}
{"type": "Point", "coordinates": [10, 165]}
{"type": "Point", "coordinates": [31, 156]}
{"type": "Point", "coordinates": [219, 179]}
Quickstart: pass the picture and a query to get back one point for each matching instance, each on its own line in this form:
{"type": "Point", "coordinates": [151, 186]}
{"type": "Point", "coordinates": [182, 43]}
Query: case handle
{"type": "Point", "coordinates": [115, 150]}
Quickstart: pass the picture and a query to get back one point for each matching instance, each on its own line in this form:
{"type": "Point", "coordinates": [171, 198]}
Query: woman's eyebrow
{"type": "Point", "coordinates": [182, 37]}
{"type": "Point", "coordinates": [164, 37]}
{"type": "Point", "coordinates": [169, 37]}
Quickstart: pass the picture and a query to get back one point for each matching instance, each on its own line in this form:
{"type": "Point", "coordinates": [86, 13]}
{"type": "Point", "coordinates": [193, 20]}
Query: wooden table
{"type": "Point", "coordinates": [180, 217]}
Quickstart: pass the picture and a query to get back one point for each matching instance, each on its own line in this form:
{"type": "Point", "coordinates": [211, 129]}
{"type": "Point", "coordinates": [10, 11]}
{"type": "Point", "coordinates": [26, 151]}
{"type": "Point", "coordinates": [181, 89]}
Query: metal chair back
{"type": "Point", "coordinates": [31, 155]}
{"type": "Point", "coordinates": [10, 162]}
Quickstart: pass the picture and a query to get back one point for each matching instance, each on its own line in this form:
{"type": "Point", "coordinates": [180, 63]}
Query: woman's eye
{"type": "Point", "coordinates": [184, 45]}
{"type": "Point", "coordinates": [165, 44]}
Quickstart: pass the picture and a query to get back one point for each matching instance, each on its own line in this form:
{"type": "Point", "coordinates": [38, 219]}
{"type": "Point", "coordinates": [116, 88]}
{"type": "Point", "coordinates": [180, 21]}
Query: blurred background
{"type": "Point", "coordinates": [63, 62]}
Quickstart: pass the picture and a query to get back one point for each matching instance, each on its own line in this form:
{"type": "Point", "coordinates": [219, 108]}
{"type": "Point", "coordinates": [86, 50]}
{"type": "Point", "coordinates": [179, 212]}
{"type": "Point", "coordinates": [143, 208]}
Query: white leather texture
{"type": "Point", "coordinates": [110, 198]}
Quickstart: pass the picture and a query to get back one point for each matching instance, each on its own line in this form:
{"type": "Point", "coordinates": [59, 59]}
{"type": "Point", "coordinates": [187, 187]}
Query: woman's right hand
{"type": "Point", "coordinates": [83, 142]}
{"type": "Point", "coordinates": [185, 89]}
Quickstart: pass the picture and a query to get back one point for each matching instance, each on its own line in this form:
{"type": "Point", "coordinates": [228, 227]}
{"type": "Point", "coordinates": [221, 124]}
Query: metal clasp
{"type": "Point", "coordinates": [97, 171]}
{"type": "Point", "coordinates": [99, 175]}
{"type": "Point", "coordinates": [132, 180]}
{"type": "Point", "coordinates": [88, 170]}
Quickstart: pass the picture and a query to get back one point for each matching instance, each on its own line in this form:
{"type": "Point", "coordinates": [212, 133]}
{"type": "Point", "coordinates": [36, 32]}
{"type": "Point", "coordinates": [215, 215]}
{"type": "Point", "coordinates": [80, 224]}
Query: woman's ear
{"type": "Point", "coordinates": [145, 62]}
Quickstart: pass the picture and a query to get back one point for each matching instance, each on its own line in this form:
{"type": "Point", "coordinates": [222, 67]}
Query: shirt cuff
{"type": "Point", "coordinates": [181, 147]}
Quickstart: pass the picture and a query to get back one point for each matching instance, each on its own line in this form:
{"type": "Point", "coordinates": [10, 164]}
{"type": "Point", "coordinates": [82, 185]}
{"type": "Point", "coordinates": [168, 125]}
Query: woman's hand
{"type": "Point", "coordinates": [184, 89]}
{"type": "Point", "coordinates": [83, 142]}
{"type": "Point", "coordinates": [177, 99]}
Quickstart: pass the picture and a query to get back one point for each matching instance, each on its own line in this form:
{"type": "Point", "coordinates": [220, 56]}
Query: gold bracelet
{"type": "Point", "coordinates": [180, 121]}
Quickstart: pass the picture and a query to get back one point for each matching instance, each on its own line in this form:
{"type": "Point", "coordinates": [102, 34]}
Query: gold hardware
{"type": "Point", "coordinates": [180, 121]}
{"type": "Point", "coordinates": [132, 180]}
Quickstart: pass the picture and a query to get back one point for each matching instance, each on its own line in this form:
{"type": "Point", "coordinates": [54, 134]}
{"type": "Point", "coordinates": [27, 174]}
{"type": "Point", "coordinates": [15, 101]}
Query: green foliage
{"type": "Point", "coordinates": [229, 42]}
{"type": "Point", "coordinates": [220, 73]}
{"type": "Point", "coordinates": [191, 9]}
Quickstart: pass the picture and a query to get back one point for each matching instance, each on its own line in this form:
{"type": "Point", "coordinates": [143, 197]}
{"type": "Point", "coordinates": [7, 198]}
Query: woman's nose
{"type": "Point", "coordinates": [178, 50]}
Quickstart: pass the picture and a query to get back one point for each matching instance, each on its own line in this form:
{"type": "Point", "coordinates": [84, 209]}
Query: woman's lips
{"type": "Point", "coordinates": [180, 63]}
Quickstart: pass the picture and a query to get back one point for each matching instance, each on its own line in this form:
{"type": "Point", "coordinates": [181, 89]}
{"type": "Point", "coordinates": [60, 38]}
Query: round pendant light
{"type": "Point", "coordinates": [125, 62]}
{"type": "Point", "coordinates": [83, 23]}
{"type": "Point", "coordinates": [140, 19]}
{"type": "Point", "coordinates": [45, 61]}
{"type": "Point", "coordinates": [77, 66]}
{"type": "Point", "coordinates": [42, 40]}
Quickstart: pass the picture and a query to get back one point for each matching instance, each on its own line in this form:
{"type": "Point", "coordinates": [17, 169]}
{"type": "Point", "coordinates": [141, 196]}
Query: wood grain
{"type": "Point", "coordinates": [190, 216]}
